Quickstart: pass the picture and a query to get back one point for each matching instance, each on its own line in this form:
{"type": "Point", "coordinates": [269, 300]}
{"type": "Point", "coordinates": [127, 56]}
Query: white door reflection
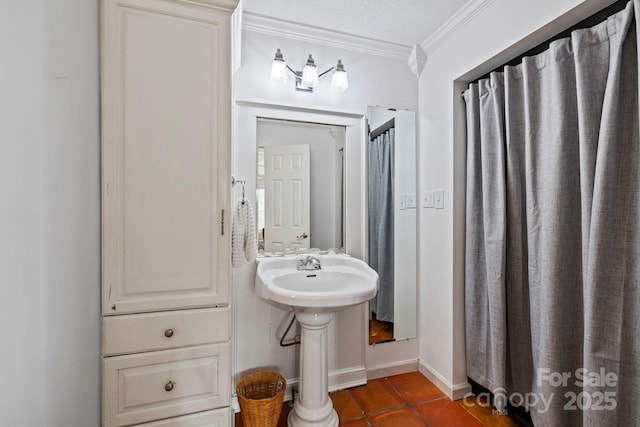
{"type": "Point", "coordinates": [287, 187]}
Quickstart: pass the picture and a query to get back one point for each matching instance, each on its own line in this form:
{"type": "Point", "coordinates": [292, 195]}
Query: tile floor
{"type": "Point", "coordinates": [407, 400]}
{"type": "Point", "coordinates": [380, 332]}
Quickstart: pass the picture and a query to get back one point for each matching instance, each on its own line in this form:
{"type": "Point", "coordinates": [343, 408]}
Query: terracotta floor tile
{"type": "Point", "coordinates": [415, 387]}
{"type": "Point", "coordinates": [376, 395]}
{"type": "Point", "coordinates": [356, 423]}
{"type": "Point", "coordinates": [380, 332]}
{"type": "Point", "coordinates": [384, 407]}
{"type": "Point", "coordinates": [282, 422]}
{"type": "Point", "coordinates": [345, 405]}
{"type": "Point", "coordinates": [403, 417]}
{"type": "Point", "coordinates": [483, 412]}
{"type": "Point", "coordinates": [446, 413]}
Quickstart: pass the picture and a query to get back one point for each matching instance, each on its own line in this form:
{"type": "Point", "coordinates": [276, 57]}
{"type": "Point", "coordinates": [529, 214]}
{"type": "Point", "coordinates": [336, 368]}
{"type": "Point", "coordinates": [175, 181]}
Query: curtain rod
{"type": "Point", "coordinates": [382, 129]}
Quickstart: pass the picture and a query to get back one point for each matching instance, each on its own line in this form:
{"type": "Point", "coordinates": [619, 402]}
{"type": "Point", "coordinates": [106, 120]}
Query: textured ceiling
{"type": "Point", "coordinates": [406, 22]}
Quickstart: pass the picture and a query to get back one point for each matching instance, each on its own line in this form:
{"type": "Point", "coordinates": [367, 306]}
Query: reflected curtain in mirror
{"type": "Point", "coordinates": [381, 217]}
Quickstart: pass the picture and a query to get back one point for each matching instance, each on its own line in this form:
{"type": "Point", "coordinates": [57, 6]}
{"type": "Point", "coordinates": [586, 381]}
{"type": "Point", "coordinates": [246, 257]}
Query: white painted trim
{"type": "Point", "coordinates": [306, 33]}
{"type": "Point", "coordinates": [227, 5]}
{"type": "Point", "coordinates": [417, 60]}
{"type": "Point", "coordinates": [338, 380]}
{"type": "Point", "coordinates": [453, 391]}
{"type": "Point", "coordinates": [393, 368]}
{"type": "Point", "coordinates": [284, 112]}
{"type": "Point", "coordinates": [347, 378]}
{"type": "Point", "coordinates": [453, 24]}
{"type": "Point", "coordinates": [355, 123]}
{"type": "Point", "coordinates": [236, 40]}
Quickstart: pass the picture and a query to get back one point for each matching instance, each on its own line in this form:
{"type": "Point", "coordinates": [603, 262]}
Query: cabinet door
{"type": "Point", "coordinates": [165, 155]}
{"type": "Point", "coordinates": [133, 333]}
{"type": "Point", "coordinates": [144, 387]}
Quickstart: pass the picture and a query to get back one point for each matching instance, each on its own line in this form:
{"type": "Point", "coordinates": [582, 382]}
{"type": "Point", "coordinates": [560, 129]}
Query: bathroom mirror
{"type": "Point", "coordinates": [300, 186]}
{"type": "Point", "coordinates": [392, 221]}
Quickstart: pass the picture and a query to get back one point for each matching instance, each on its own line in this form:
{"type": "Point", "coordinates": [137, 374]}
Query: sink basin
{"type": "Point", "coordinates": [343, 281]}
{"type": "Point", "coordinates": [314, 296]}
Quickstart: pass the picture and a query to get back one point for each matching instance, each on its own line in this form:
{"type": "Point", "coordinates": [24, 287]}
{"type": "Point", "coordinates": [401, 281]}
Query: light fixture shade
{"type": "Point", "coordinates": [339, 80]}
{"type": "Point", "coordinates": [279, 68]}
{"type": "Point", "coordinates": [310, 73]}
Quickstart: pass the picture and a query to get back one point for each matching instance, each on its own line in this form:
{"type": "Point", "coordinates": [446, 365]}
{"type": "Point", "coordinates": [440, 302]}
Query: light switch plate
{"type": "Point", "coordinates": [403, 202]}
{"type": "Point", "coordinates": [427, 199]}
{"type": "Point", "coordinates": [439, 199]}
{"type": "Point", "coordinates": [411, 200]}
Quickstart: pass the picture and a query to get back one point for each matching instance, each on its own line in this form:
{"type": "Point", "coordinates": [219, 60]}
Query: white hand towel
{"type": "Point", "coordinates": [250, 239]}
{"type": "Point", "coordinates": [243, 235]}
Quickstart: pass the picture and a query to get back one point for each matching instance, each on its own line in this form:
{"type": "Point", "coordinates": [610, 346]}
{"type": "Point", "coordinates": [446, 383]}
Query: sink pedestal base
{"type": "Point", "coordinates": [313, 407]}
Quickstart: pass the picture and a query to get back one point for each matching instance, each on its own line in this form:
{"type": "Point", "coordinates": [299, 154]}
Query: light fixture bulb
{"type": "Point", "coordinates": [339, 80]}
{"type": "Point", "coordinates": [279, 68]}
{"type": "Point", "coordinates": [310, 73]}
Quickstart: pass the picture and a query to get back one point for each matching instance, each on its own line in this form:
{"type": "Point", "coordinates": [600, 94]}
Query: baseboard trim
{"type": "Point", "coordinates": [338, 380]}
{"type": "Point", "coordinates": [453, 391]}
{"type": "Point", "coordinates": [394, 368]}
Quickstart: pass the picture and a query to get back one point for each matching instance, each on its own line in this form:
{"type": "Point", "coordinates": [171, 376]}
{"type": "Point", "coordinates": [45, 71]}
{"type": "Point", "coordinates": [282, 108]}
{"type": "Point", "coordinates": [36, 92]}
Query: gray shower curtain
{"type": "Point", "coordinates": [553, 229]}
{"type": "Point", "coordinates": [381, 228]}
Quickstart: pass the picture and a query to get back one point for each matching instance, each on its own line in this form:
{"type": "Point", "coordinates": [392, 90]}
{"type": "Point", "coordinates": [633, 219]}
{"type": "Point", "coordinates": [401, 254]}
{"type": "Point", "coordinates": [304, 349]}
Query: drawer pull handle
{"type": "Point", "coordinates": [168, 333]}
{"type": "Point", "coordinates": [169, 386]}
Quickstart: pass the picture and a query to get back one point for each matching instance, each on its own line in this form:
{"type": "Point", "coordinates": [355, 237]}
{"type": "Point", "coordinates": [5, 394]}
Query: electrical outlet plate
{"type": "Point", "coordinates": [427, 199]}
{"type": "Point", "coordinates": [439, 199]}
{"type": "Point", "coordinates": [403, 202]}
{"type": "Point", "coordinates": [411, 200]}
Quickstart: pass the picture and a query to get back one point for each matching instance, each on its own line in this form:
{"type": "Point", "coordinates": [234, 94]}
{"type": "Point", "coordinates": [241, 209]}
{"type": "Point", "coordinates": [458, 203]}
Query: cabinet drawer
{"type": "Point", "coordinates": [145, 387]}
{"type": "Point", "coordinates": [217, 418]}
{"type": "Point", "coordinates": [135, 333]}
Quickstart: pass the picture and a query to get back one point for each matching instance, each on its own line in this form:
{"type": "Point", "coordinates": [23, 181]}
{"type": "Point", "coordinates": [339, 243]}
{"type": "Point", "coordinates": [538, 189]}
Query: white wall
{"type": "Point", "coordinates": [501, 31]}
{"type": "Point", "coordinates": [373, 80]}
{"type": "Point", "coordinates": [49, 214]}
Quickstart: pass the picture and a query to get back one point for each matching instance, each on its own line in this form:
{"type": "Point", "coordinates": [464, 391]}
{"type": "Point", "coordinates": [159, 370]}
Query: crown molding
{"type": "Point", "coordinates": [454, 24]}
{"type": "Point", "coordinates": [417, 60]}
{"type": "Point", "coordinates": [228, 5]}
{"type": "Point", "coordinates": [310, 34]}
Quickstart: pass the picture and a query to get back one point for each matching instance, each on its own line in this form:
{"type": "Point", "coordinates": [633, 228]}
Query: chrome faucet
{"type": "Point", "coordinates": [309, 262]}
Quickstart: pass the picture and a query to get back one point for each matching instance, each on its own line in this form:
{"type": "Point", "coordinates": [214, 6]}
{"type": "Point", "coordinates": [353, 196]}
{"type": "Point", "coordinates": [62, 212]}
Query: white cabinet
{"type": "Point", "coordinates": [133, 333]}
{"type": "Point", "coordinates": [165, 155]}
{"type": "Point", "coordinates": [166, 120]}
{"type": "Point", "coordinates": [216, 418]}
{"type": "Point", "coordinates": [155, 385]}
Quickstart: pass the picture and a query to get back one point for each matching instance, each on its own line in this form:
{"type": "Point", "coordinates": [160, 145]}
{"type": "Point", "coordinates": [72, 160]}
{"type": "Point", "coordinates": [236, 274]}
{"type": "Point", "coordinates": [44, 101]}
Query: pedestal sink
{"type": "Point", "coordinates": [314, 296]}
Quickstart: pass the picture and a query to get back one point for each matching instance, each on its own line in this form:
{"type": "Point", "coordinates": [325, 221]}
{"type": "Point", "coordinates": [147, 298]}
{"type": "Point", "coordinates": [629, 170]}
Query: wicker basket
{"type": "Point", "coordinates": [260, 395]}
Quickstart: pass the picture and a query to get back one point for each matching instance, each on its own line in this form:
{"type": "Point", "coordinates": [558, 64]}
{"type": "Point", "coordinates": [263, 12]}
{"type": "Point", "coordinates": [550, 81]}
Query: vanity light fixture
{"type": "Point", "coordinates": [308, 78]}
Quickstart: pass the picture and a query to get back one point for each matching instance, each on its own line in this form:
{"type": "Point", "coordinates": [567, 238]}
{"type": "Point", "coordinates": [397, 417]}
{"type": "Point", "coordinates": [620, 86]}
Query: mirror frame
{"type": "Point", "coordinates": [355, 148]}
{"type": "Point", "coordinates": [405, 230]}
